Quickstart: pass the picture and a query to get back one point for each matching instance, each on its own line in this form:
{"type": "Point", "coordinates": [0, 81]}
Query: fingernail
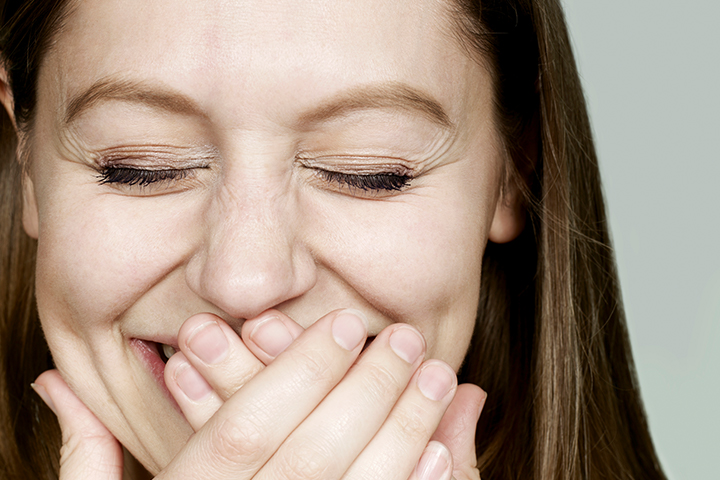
{"type": "Point", "coordinates": [436, 380]}
{"type": "Point", "coordinates": [407, 344]}
{"type": "Point", "coordinates": [482, 405]}
{"type": "Point", "coordinates": [42, 393]}
{"type": "Point", "coordinates": [349, 328]}
{"type": "Point", "coordinates": [434, 463]}
{"type": "Point", "coordinates": [272, 336]}
{"type": "Point", "coordinates": [193, 385]}
{"type": "Point", "coordinates": [208, 343]}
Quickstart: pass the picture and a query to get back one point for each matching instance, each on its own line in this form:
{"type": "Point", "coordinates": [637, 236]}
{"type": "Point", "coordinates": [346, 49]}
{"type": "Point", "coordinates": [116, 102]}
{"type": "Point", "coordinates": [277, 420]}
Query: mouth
{"type": "Point", "coordinates": [157, 354]}
{"type": "Point", "coordinates": [152, 351]}
{"type": "Point", "coordinates": [154, 357]}
{"type": "Point", "coordinates": [165, 351]}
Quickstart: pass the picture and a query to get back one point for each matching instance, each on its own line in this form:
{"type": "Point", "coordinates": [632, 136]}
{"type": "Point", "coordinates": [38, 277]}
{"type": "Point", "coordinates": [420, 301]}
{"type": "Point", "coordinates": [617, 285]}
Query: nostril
{"type": "Point", "coordinates": [246, 290]}
{"type": "Point", "coordinates": [247, 267]}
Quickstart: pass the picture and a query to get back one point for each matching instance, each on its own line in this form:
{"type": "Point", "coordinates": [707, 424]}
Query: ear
{"type": "Point", "coordinates": [6, 97]}
{"type": "Point", "coordinates": [510, 211]}
{"type": "Point", "coordinates": [30, 212]}
{"type": "Point", "coordinates": [509, 219]}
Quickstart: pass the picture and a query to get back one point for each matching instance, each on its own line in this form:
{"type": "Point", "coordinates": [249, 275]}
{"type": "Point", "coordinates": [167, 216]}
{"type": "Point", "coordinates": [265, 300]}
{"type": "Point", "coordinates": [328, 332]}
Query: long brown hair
{"type": "Point", "coordinates": [550, 345]}
{"type": "Point", "coordinates": [29, 432]}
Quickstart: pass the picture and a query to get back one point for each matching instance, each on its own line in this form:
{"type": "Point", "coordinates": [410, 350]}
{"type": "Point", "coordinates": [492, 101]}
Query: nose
{"type": "Point", "coordinates": [250, 257]}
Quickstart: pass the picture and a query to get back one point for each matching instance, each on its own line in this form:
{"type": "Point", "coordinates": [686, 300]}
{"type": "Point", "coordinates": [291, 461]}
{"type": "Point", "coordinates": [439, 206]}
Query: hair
{"type": "Point", "coordinates": [550, 344]}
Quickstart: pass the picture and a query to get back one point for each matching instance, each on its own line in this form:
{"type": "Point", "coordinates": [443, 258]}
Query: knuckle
{"type": "Point", "coordinates": [411, 427]}
{"type": "Point", "coordinates": [315, 369]}
{"type": "Point", "coordinates": [306, 460]}
{"type": "Point", "coordinates": [238, 381]}
{"type": "Point", "coordinates": [239, 439]}
{"type": "Point", "coordinates": [381, 381]}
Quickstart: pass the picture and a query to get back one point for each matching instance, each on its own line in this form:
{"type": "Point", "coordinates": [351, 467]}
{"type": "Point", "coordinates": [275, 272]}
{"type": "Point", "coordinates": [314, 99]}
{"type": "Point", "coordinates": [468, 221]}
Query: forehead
{"type": "Point", "coordinates": [264, 53]}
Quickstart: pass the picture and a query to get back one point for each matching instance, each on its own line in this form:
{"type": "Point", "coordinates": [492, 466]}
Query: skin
{"type": "Point", "coordinates": [259, 235]}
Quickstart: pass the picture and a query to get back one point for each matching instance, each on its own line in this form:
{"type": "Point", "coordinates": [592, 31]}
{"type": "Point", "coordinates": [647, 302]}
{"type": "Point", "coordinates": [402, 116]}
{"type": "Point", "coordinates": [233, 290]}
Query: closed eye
{"type": "Point", "coordinates": [387, 182]}
{"type": "Point", "coordinates": [131, 176]}
{"type": "Point", "coordinates": [139, 176]}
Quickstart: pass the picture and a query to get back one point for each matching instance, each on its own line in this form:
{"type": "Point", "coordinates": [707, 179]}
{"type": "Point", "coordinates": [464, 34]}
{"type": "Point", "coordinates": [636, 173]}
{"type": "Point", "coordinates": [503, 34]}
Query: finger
{"type": "Point", "coordinates": [457, 430]}
{"type": "Point", "coordinates": [250, 426]}
{"type": "Point", "coordinates": [270, 334]}
{"type": "Point", "coordinates": [196, 398]}
{"type": "Point", "coordinates": [434, 464]}
{"type": "Point", "coordinates": [89, 450]}
{"type": "Point", "coordinates": [219, 362]}
{"type": "Point", "coordinates": [330, 439]}
{"type": "Point", "coordinates": [217, 353]}
{"type": "Point", "coordinates": [401, 440]}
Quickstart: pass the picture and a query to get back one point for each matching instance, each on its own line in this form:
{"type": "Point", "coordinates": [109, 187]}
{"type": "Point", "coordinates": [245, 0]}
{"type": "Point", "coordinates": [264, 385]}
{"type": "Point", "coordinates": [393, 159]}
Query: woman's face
{"type": "Point", "coordinates": [231, 157]}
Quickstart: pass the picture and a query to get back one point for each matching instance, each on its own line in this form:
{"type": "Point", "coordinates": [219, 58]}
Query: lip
{"type": "Point", "coordinates": [146, 351]}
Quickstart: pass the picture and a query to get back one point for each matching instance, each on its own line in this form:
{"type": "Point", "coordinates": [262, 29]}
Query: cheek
{"type": "Point", "coordinates": [416, 260]}
{"type": "Point", "coordinates": [98, 254]}
{"type": "Point", "coordinates": [411, 262]}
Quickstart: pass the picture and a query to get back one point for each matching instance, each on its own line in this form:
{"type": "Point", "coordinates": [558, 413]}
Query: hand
{"type": "Point", "coordinates": [224, 447]}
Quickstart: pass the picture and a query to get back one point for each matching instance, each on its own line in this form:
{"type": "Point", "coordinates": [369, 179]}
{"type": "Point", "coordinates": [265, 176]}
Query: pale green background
{"type": "Point", "coordinates": [651, 71]}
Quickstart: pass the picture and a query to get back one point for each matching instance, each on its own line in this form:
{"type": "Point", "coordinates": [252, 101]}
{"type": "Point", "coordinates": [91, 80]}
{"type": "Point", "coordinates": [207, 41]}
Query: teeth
{"type": "Point", "coordinates": [168, 351]}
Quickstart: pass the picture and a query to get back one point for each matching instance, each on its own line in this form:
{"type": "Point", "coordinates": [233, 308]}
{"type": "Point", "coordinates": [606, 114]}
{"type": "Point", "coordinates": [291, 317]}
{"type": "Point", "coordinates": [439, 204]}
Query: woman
{"type": "Point", "coordinates": [206, 181]}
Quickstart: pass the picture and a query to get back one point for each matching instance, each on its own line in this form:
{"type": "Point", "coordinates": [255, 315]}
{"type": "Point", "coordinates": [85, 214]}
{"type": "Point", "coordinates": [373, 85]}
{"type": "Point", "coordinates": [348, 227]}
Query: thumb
{"type": "Point", "coordinates": [89, 450]}
{"type": "Point", "coordinates": [457, 430]}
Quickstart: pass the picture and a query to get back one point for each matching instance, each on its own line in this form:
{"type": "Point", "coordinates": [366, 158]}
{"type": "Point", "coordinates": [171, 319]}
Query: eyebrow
{"type": "Point", "coordinates": [388, 95]}
{"type": "Point", "coordinates": [129, 91]}
{"type": "Point", "coordinates": [384, 96]}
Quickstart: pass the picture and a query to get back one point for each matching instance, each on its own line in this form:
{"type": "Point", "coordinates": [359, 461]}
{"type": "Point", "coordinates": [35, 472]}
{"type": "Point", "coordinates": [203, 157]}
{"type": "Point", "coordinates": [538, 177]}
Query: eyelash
{"type": "Point", "coordinates": [388, 182]}
{"type": "Point", "coordinates": [138, 176]}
